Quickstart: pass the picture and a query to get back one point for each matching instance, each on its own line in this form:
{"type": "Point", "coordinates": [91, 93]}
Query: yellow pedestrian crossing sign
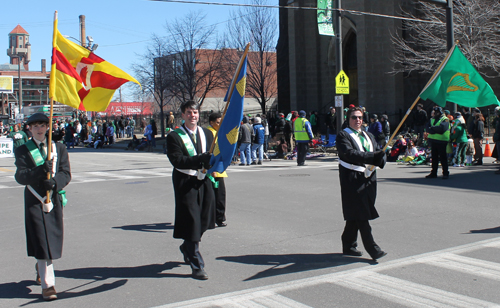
{"type": "Point", "coordinates": [342, 83]}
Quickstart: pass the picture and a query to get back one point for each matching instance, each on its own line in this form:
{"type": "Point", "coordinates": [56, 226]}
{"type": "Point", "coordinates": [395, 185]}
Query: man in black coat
{"type": "Point", "coordinates": [43, 221]}
{"type": "Point", "coordinates": [358, 151]}
{"type": "Point", "coordinates": [194, 195]}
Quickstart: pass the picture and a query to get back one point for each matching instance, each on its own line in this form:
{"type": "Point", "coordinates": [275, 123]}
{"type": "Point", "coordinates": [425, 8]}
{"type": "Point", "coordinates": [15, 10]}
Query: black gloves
{"type": "Point", "coordinates": [378, 158]}
{"type": "Point", "coordinates": [47, 166]}
{"type": "Point", "coordinates": [49, 184]}
{"type": "Point", "coordinates": [205, 159]}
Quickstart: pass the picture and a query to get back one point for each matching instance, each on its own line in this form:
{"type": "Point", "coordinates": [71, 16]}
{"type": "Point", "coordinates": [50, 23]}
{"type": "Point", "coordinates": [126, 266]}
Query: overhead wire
{"type": "Point", "coordinates": [354, 12]}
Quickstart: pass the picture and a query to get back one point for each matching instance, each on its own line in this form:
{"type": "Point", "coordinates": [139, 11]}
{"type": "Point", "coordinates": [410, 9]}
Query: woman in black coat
{"type": "Point", "coordinates": [44, 227]}
{"type": "Point", "coordinates": [358, 150]}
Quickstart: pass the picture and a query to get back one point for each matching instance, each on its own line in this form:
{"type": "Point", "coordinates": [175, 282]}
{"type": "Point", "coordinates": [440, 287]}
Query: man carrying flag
{"type": "Point", "coordinates": [194, 195]}
{"type": "Point", "coordinates": [219, 186]}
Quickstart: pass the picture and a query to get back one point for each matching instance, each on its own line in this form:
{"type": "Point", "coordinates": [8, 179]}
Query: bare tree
{"type": "Point", "coordinates": [258, 26]}
{"type": "Point", "coordinates": [422, 45]}
{"type": "Point", "coordinates": [155, 77]}
{"type": "Point", "coordinates": [194, 57]}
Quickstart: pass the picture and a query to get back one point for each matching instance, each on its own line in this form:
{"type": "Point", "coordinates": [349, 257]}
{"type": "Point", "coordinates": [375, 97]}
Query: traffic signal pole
{"type": "Point", "coordinates": [338, 64]}
{"type": "Point", "coordinates": [450, 36]}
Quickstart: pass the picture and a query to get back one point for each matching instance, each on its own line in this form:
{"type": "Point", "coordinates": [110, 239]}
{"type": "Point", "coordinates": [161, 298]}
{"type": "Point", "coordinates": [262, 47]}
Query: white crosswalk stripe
{"type": "Point", "coordinates": [369, 280]}
{"type": "Point", "coordinates": [463, 264]}
{"type": "Point", "coordinates": [408, 293]}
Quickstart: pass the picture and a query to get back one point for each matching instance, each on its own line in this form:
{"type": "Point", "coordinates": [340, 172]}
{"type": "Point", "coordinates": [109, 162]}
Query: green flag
{"type": "Point", "coordinates": [457, 81]}
{"type": "Point", "coordinates": [325, 22]}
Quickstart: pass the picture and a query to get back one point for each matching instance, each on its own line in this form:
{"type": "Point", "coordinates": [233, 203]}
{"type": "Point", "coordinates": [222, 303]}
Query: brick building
{"type": "Point", "coordinates": [214, 99]}
{"type": "Point", "coordinates": [35, 84]}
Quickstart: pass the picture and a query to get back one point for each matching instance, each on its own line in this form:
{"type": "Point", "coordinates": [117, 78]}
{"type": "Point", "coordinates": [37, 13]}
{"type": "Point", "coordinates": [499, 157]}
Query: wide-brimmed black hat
{"type": "Point", "coordinates": [37, 117]}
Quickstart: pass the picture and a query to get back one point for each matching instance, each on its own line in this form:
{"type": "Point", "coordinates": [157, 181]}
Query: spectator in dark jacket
{"type": "Point", "coordinates": [375, 128]}
{"type": "Point", "coordinates": [258, 135]}
{"type": "Point", "coordinates": [478, 136]}
{"type": "Point", "coordinates": [245, 139]}
{"type": "Point", "coordinates": [420, 121]}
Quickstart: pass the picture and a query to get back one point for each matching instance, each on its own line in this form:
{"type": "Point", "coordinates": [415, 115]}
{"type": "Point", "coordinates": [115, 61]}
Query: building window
{"type": "Point", "coordinates": [41, 81]}
{"type": "Point", "coordinates": [28, 82]}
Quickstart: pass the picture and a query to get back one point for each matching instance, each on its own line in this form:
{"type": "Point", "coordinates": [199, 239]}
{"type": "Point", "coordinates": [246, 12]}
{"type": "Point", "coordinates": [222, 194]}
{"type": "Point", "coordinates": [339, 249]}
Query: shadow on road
{"type": "Point", "coordinates": [23, 288]}
{"type": "Point", "coordinates": [103, 273]}
{"type": "Point", "coordinates": [293, 263]}
{"type": "Point", "coordinates": [489, 230]}
{"type": "Point", "coordinates": [19, 289]}
{"type": "Point", "coordinates": [482, 179]}
{"type": "Point", "coordinates": [154, 227]}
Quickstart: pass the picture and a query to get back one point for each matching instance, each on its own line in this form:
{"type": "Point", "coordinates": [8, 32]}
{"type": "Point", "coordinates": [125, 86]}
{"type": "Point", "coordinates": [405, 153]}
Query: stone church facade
{"type": "Point", "coordinates": [306, 60]}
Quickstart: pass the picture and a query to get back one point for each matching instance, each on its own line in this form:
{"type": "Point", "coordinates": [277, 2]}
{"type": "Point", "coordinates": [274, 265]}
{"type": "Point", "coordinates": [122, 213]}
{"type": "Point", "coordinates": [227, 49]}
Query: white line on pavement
{"type": "Point", "coordinates": [408, 293]}
{"type": "Point", "coordinates": [213, 301]}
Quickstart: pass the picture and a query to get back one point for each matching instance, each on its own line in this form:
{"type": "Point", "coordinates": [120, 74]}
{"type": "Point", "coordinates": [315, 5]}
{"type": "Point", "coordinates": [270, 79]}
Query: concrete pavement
{"type": "Point", "coordinates": [281, 247]}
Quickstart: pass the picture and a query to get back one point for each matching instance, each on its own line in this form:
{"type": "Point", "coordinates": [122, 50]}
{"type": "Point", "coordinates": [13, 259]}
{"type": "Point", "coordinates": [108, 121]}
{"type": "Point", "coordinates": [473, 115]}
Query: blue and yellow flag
{"type": "Point", "coordinates": [227, 137]}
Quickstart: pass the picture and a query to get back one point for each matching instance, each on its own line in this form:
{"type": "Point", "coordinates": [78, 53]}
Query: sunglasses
{"type": "Point", "coordinates": [353, 117]}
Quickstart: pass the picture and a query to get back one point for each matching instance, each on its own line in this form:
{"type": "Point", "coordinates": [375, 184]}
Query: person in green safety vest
{"type": "Point", "coordinates": [303, 134]}
{"type": "Point", "coordinates": [439, 136]}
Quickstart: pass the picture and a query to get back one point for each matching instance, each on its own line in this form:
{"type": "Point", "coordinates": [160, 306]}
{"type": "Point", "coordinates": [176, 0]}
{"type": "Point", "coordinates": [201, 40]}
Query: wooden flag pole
{"type": "Point", "coordinates": [49, 145]}
{"type": "Point", "coordinates": [438, 70]}
{"type": "Point", "coordinates": [233, 85]}
{"type": "Point", "coordinates": [49, 138]}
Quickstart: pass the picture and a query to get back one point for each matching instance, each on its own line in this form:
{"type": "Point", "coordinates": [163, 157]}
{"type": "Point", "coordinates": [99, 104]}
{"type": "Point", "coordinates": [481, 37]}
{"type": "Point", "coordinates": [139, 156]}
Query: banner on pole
{"type": "Point", "coordinates": [6, 84]}
{"type": "Point", "coordinates": [325, 20]}
{"type": "Point", "coordinates": [6, 147]}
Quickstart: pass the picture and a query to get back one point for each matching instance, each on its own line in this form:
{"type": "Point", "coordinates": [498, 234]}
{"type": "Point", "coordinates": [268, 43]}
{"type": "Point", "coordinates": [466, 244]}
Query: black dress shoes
{"type": "Point", "coordinates": [378, 255]}
{"type": "Point", "coordinates": [221, 224]}
{"type": "Point", "coordinates": [199, 274]}
{"type": "Point", "coordinates": [431, 176]}
{"type": "Point", "coordinates": [352, 252]}
{"type": "Point", "coordinates": [184, 254]}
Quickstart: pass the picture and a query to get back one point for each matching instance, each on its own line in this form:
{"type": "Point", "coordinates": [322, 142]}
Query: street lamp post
{"type": "Point", "coordinates": [450, 36]}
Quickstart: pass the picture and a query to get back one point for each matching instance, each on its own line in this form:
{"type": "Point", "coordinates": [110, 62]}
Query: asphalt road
{"type": "Point", "coordinates": [281, 247]}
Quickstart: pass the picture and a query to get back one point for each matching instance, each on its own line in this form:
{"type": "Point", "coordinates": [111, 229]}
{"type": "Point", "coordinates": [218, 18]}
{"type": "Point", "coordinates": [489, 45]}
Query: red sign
{"type": "Point", "coordinates": [127, 108]}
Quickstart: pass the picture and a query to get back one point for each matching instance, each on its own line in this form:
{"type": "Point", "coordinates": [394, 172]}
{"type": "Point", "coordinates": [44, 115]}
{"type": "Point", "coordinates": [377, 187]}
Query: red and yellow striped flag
{"type": "Point", "coordinates": [81, 79]}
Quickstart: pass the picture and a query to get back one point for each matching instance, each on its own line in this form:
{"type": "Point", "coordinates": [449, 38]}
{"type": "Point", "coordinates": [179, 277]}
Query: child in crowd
{"type": "Point", "coordinates": [411, 152]}
{"type": "Point", "coordinates": [469, 151]}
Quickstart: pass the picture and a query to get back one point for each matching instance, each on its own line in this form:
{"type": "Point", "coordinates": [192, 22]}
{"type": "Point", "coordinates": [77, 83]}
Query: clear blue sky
{"type": "Point", "coordinates": [121, 28]}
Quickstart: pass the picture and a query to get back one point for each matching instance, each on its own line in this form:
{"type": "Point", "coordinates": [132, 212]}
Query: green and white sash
{"type": "Point", "coordinates": [188, 143]}
{"type": "Point", "coordinates": [365, 145]}
{"type": "Point", "coordinates": [39, 160]}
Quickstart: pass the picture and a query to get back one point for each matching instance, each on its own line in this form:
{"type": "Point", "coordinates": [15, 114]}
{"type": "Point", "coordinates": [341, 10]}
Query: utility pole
{"type": "Point", "coordinates": [450, 36]}
{"type": "Point", "coordinates": [338, 58]}
{"type": "Point", "coordinates": [82, 31]}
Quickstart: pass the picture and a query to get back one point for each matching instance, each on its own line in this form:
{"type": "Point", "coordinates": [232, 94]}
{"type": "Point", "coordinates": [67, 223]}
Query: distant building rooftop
{"type": "Point", "coordinates": [10, 67]}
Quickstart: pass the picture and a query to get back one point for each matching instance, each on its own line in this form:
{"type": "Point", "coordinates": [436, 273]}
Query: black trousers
{"type": "Point", "coordinates": [220, 201]}
{"type": "Point", "coordinates": [438, 152]}
{"type": "Point", "coordinates": [350, 236]}
{"type": "Point", "coordinates": [192, 250]}
{"type": "Point", "coordinates": [302, 148]}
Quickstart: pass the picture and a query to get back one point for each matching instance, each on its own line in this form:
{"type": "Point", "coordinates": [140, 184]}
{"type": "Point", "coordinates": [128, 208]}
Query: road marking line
{"type": "Point", "coordinates": [408, 293]}
{"type": "Point", "coordinates": [466, 265]}
{"type": "Point", "coordinates": [115, 175]}
{"type": "Point", "coordinates": [6, 170]}
{"type": "Point", "coordinates": [214, 300]}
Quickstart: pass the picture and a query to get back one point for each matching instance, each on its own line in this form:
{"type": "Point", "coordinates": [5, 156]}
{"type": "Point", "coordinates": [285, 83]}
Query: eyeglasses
{"type": "Point", "coordinates": [353, 117]}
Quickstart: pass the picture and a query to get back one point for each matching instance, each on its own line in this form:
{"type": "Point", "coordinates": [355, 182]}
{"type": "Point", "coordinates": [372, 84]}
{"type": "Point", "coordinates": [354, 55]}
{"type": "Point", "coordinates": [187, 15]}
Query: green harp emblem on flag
{"type": "Point", "coordinates": [461, 82]}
